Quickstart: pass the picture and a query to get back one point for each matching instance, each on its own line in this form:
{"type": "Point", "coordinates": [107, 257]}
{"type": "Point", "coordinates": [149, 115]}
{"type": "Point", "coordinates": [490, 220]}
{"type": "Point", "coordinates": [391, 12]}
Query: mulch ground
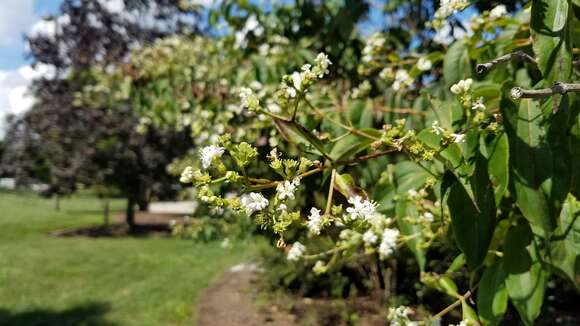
{"type": "Point", "coordinates": [148, 224]}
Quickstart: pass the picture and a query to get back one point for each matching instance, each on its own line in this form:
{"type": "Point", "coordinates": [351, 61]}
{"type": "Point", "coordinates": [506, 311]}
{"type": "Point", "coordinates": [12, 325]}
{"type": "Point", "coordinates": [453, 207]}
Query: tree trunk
{"type": "Point", "coordinates": [106, 212]}
{"type": "Point", "coordinates": [130, 216]}
{"type": "Point", "coordinates": [143, 200]}
{"type": "Point", "coordinates": [57, 202]}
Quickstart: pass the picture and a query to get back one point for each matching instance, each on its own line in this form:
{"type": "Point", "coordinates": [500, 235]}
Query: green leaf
{"type": "Point", "coordinates": [298, 135]}
{"type": "Point", "coordinates": [550, 32]}
{"type": "Point", "coordinates": [456, 65]}
{"type": "Point", "coordinates": [492, 296]}
{"type": "Point", "coordinates": [457, 263]}
{"type": "Point", "coordinates": [366, 119]}
{"type": "Point", "coordinates": [352, 145]}
{"type": "Point", "coordinates": [530, 162]}
{"type": "Point", "coordinates": [473, 225]}
{"type": "Point", "coordinates": [468, 313]}
{"type": "Point", "coordinates": [344, 183]}
{"type": "Point", "coordinates": [498, 156]}
{"type": "Point", "coordinates": [565, 244]}
{"type": "Point", "coordinates": [406, 209]}
{"type": "Point", "coordinates": [526, 279]}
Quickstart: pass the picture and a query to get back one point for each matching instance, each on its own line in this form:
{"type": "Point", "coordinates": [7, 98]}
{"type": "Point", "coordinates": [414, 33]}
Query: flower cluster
{"type": "Point", "coordinates": [388, 242]}
{"type": "Point", "coordinates": [314, 221]}
{"type": "Point", "coordinates": [373, 47]}
{"type": "Point", "coordinates": [209, 153]}
{"type": "Point", "coordinates": [254, 202]}
{"type": "Point", "coordinates": [399, 316]}
{"type": "Point", "coordinates": [402, 80]}
{"type": "Point", "coordinates": [296, 252]}
{"type": "Point", "coordinates": [300, 81]}
{"type": "Point", "coordinates": [287, 188]}
{"type": "Point", "coordinates": [446, 9]}
{"type": "Point", "coordinates": [424, 64]}
{"type": "Point", "coordinates": [363, 209]}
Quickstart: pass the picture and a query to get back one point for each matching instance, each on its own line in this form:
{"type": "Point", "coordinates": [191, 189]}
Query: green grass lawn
{"type": "Point", "coordinates": [46, 280]}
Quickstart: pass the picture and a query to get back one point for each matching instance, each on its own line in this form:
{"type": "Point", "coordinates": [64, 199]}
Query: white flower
{"type": "Point", "coordinates": [478, 105]}
{"type": "Point", "coordinates": [462, 86]}
{"type": "Point", "coordinates": [319, 267]}
{"type": "Point", "coordinates": [290, 91]}
{"type": "Point", "coordinates": [412, 193]}
{"type": "Point", "coordinates": [296, 252]}
{"type": "Point", "coordinates": [388, 242]}
{"type": "Point", "coordinates": [428, 216]}
{"type": "Point", "coordinates": [449, 7]}
{"type": "Point", "coordinates": [282, 208]}
{"type": "Point", "coordinates": [402, 79]}
{"type": "Point", "coordinates": [248, 98]}
{"type": "Point", "coordinates": [438, 130]}
{"type": "Point", "coordinates": [287, 188]}
{"type": "Point", "coordinates": [253, 202]}
{"type": "Point", "coordinates": [386, 73]}
{"type": "Point", "coordinates": [186, 175]}
{"type": "Point", "coordinates": [424, 64]}
{"type": "Point", "coordinates": [297, 81]}
{"type": "Point", "coordinates": [400, 316]}
{"type": "Point", "coordinates": [364, 209]}
{"type": "Point", "coordinates": [322, 63]}
{"type": "Point", "coordinates": [314, 221]}
{"type": "Point", "coordinates": [498, 12]}
{"type": "Point", "coordinates": [208, 153]}
{"type": "Point", "coordinates": [370, 238]}
{"type": "Point", "coordinates": [458, 138]}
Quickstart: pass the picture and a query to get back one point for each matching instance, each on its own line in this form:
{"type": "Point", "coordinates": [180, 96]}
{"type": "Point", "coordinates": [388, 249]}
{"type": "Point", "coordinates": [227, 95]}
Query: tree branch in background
{"type": "Point", "coordinates": [482, 68]}
{"type": "Point", "coordinates": [518, 55]}
{"type": "Point", "coordinates": [558, 88]}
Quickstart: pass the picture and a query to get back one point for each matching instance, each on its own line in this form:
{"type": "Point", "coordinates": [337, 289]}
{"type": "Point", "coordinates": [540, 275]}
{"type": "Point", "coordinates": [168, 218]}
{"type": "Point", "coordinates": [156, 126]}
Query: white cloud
{"type": "Point", "coordinates": [16, 16]}
{"type": "Point", "coordinates": [14, 95]}
{"type": "Point", "coordinates": [113, 6]}
{"type": "Point", "coordinates": [49, 27]}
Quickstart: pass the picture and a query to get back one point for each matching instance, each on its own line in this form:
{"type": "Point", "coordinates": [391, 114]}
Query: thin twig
{"type": "Point", "coordinates": [558, 88]}
{"type": "Point", "coordinates": [366, 157]}
{"type": "Point", "coordinates": [452, 306]}
{"type": "Point", "coordinates": [518, 55]}
{"type": "Point", "coordinates": [330, 193]}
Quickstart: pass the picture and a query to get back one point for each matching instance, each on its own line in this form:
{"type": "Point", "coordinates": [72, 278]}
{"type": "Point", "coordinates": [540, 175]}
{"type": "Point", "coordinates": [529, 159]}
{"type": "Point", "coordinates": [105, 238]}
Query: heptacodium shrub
{"type": "Point", "coordinates": [468, 151]}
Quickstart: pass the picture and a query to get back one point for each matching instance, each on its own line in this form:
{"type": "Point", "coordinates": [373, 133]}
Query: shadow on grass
{"type": "Point", "coordinates": [91, 314]}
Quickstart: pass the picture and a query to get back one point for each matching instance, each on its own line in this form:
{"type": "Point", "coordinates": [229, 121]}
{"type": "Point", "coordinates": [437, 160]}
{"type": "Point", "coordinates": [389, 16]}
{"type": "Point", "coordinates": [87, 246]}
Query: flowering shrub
{"type": "Point", "coordinates": [481, 158]}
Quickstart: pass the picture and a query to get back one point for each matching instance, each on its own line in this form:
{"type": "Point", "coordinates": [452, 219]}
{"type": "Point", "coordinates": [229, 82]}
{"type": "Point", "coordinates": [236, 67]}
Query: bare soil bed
{"type": "Point", "coordinates": [148, 224]}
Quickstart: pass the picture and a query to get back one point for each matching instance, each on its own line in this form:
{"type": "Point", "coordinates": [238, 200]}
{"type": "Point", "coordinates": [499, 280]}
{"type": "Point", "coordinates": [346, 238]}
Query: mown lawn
{"type": "Point", "coordinates": [45, 280]}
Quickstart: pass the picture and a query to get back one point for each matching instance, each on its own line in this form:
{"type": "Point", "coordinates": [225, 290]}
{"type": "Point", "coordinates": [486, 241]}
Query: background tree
{"type": "Point", "coordinates": [64, 145]}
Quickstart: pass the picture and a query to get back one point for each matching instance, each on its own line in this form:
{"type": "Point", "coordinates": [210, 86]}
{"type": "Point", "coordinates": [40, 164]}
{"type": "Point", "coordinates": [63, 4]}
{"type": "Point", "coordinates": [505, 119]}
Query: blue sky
{"type": "Point", "coordinates": [17, 19]}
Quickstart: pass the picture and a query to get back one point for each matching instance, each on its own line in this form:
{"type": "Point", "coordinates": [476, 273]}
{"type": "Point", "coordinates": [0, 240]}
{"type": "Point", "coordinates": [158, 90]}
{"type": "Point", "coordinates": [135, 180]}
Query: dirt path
{"type": "Point", "coordinates": [229, 301]}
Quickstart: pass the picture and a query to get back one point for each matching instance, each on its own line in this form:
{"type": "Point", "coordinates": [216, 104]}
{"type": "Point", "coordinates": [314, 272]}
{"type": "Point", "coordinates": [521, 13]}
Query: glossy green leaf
{"type": "Point", "coordinates": [473, 222]}
{"type": "Point", "coordinates": [351, 145]}
{"type": "Point", "coordinates": [498, 156]}
{"type": "Point", "coordinates": [468, 313]}
{"type": "Point", "coordinates": [456, 65]}
{"type": "Point", "coordinates": [526, 279]}
{"type": "Point", "coordinates": [346, 185]}
{"type": "Point", "coordinates": [550, 32]}
{"type": "Point", "coordinates": [565, 244]}
{"type": "Point", "coordinates": [530, 162]}
{"type": "Point", "coordinates": [405, 209]}
{"type": "Point", "coordinates": [492, 296]}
